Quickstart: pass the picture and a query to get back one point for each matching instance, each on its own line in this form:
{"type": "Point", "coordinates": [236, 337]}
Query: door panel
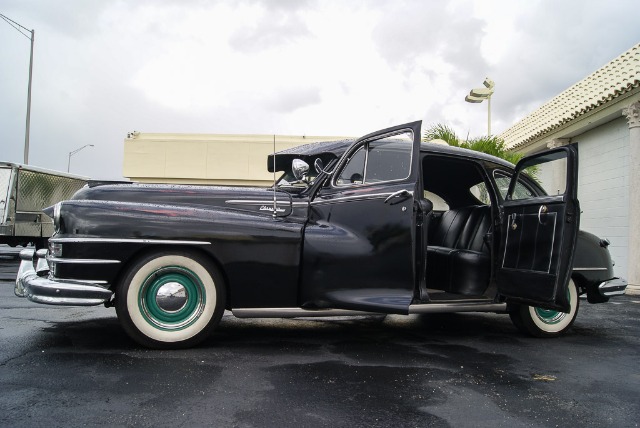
{"type": "Point", "coordinates": [539, 232]}
{"type": "Point", "coordinates": [359, 245]}
{"type": "Point", "coordinates": [530, 242]}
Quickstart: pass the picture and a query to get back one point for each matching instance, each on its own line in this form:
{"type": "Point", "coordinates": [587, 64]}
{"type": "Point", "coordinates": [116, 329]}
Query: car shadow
{"type": "Point", "coordinates": [308, 333]}
{"type": "Point", "coordinates": [106, 332]}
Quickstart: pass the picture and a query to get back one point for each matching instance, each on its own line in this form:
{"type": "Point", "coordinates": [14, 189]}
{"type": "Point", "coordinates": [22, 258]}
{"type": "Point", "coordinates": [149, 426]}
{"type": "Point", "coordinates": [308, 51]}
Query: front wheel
{"type": "Point", "coordinates": [170, 299]}
{"type": "Point", "coordinates": [541, 322]}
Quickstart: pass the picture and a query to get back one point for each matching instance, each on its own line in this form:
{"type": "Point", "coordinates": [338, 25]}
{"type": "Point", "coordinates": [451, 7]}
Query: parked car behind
{"type": "Point", "coordinates": [381, 224]}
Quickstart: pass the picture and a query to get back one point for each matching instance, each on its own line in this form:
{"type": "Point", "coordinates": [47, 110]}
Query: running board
{"type": "Point", "coordinates": [295, 313]}
{"type": "Point", "coordinates": [423, 308]}
{"type": "Point", "coordinates": [442, 308]}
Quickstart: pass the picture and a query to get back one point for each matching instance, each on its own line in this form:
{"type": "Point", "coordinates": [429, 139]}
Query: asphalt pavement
{"type": "Point", "coordinates": [76, 366]}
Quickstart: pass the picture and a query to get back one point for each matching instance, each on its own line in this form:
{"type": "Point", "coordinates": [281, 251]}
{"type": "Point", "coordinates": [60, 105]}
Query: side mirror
{"type": "Point", "coordinates": [299, 169]}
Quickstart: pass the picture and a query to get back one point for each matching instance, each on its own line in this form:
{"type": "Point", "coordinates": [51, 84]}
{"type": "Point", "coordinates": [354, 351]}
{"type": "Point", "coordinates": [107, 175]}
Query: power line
{"type": "Point", "coordinates": [17, 26]}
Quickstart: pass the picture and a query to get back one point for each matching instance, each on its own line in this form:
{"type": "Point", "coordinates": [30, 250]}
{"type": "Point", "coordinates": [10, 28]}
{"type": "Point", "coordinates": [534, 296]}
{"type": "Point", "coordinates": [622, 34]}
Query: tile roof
{"type": "Point", "coordinates": [618, 77]}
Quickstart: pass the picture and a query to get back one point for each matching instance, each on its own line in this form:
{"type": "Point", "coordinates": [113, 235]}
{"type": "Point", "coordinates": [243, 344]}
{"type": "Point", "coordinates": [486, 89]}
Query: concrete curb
{"type": "Point", "coordinates": [633, 290]}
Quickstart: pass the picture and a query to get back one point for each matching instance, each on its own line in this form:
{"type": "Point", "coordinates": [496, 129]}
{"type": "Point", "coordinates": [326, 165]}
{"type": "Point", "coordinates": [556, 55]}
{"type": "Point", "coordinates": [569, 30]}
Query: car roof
{"type": "Point", "coordinates": [337, 148]}
{"type": "Point", "coordinates": [461, 152]}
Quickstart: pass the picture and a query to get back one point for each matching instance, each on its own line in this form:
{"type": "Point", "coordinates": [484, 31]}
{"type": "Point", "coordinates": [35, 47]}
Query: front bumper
{"type": "Point", "coordinates": [34, 283]}
{"type": "Point", "coordinates": [612, 287]}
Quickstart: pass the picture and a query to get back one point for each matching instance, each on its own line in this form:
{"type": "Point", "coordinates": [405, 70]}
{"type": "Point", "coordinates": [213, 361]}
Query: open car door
{"type": "Point", "coordinates": [359, 243]}
{"type": "Point", "coordinates": [539, 231]}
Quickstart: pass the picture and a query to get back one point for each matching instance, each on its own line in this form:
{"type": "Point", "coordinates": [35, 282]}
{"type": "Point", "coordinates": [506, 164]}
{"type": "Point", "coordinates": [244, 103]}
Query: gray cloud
{"type": "Point", "coordinates": [83, 72]}
{"type": "Point", "coordinates": [283, 5]}
{"type": "Point", "coordinates": [412, 29]}
{"type": "Point", "coordinates": [289, 100]}
{"type": "Point", "coordinates": [275, 28]}
{"type": "Point", "coordinates": [551, 55]}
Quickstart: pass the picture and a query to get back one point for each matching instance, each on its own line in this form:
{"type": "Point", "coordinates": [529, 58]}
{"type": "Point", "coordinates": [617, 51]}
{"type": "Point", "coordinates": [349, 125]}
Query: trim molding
{"type": "Point", "coordinates": [83, 261]}
{"type": "Point", "coordinates": [128, 241]}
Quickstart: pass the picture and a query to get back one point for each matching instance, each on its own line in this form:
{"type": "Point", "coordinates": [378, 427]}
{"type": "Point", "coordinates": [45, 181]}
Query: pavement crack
{"type": "Point", "coordinates": [6, 362]}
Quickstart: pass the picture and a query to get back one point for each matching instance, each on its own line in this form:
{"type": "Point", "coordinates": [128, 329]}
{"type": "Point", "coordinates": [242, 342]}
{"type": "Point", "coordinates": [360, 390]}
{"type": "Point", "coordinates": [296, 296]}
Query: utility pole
{"type": "Point", "coordinates": [32, 37]}
{"type": "Point", "coordinates": [26, 133]}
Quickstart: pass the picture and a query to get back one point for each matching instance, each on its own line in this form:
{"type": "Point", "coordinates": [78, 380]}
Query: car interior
{"type": "Point", "coordinates": [458, 229]}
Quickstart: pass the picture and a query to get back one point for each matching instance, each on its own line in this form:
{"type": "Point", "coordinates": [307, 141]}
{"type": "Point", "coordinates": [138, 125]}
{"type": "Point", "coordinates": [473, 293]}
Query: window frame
{"type": "Point", "coordinates": [522, 179]}
{"type": "Point", "coordinates": [365, 145]}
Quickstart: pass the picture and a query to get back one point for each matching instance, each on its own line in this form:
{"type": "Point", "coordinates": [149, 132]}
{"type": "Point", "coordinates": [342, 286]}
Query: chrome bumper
{"type": "Point", "coordinates": [613, 287]}
{"type": "Point", "coordinates": [33, 282]}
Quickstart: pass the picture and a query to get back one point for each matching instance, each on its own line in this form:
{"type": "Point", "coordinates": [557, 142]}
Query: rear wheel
{"type": "Point", "coordinates": [170, 299]}
{"type": "Point", "coordinates": [540, 322]}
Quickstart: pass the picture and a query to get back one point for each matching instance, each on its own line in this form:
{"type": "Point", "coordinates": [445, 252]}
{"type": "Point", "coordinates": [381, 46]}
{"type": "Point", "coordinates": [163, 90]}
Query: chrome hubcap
{"type": "Point", "coordinates": [172, 298]}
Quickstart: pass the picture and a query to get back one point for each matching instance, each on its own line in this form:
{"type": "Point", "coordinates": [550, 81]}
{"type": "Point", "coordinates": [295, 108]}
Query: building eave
{"type": "Point", "coordinates": [581, 124]}
{"type": "Point", "coordinates": [597, 98]}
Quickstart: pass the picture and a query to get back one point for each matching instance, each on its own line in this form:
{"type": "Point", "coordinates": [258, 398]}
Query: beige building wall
{"type": "Point", "coordinates": [216, 159]}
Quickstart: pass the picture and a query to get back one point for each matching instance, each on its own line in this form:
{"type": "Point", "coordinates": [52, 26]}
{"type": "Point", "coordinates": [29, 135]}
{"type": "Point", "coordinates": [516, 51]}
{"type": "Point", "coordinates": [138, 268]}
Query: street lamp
{"type": "Point", "coordinates": [74, 152]}
{"type": "Point", "coordinates": [478, 95]}
{"type": "Point", "coordinates": [20, 28]}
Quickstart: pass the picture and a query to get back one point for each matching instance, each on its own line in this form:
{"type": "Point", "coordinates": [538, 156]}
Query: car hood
{"type": "Point", "coordinates": [248, 198]}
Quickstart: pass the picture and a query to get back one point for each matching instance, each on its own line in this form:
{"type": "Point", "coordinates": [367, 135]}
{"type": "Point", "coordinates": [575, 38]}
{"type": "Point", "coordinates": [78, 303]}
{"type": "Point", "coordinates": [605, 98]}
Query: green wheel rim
{"type": "Point", "coordinates": [187, 313]}
{"type": "Point", "coordinates": [549, 316]}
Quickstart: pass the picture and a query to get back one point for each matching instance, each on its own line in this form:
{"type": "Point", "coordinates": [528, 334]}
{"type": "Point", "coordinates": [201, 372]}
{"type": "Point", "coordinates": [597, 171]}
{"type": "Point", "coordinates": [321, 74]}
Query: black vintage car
{"type": "Point", "coordinates": [382, 224]}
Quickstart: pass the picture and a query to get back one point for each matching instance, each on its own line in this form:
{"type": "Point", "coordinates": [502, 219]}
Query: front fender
{"type": "Point", "coordinates": [109, 219]}
{"type": "Point", "coordinates": [259, 254]}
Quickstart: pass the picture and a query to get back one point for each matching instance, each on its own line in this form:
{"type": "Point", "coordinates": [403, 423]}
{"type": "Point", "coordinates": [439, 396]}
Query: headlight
{"type": "Point", "coordinates": [54, 213]}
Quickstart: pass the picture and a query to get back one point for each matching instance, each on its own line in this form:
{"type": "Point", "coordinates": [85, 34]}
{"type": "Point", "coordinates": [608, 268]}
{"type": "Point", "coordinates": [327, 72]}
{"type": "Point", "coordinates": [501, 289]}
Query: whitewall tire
{"type": "Point", "coordinates": [170, 299]}
{"type": "Point", "coordinates": [540, 322]}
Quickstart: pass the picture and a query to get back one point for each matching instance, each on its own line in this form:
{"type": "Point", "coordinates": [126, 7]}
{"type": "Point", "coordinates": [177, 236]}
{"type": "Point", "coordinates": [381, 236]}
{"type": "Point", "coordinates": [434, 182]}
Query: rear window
{"type": "Point", "coordinates": [480, 192]}
{"type": "Point", "coordinates": [439, 204]}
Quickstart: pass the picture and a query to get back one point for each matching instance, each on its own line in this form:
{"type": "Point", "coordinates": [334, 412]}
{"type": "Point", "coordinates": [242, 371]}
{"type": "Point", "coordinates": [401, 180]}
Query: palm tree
{"type": "Point", "coordinates": [441, 132]}
{"type": "Point", "coordinates": [491, 144]}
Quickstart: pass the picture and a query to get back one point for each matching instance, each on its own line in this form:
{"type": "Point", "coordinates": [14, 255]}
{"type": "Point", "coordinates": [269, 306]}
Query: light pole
{"type": "Point", "coordinates": [477, 95]}
{"type": "Point", "coordinates": [74, 152]}
{"type": "Point", "coordinates": [20, 28]}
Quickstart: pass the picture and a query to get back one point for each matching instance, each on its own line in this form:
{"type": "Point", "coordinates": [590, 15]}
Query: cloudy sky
{"type": "Point", "coordinates": [300, 67]}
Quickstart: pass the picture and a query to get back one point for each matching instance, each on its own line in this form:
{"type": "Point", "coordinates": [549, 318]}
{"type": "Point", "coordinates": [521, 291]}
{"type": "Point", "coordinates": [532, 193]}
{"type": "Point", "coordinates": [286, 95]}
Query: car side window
{"type": "Point", "coordinates": [481, 193]}
{"type": "Point", "coordinates": [388, 161]}
{"type": "Point", "coordinates": [353, 172]}
{"type": "Point", "coordinates": [379, 161]}
{"type": "Point", "coordinates": [550, 175]}
{"type": "Point", "coordinates": [521, 191]}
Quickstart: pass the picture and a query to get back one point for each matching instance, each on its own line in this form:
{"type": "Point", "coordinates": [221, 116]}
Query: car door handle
{"type": "Point", "coordinates": [543, 210]}
{"type": "Point", "coordinates": [399, 194]}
